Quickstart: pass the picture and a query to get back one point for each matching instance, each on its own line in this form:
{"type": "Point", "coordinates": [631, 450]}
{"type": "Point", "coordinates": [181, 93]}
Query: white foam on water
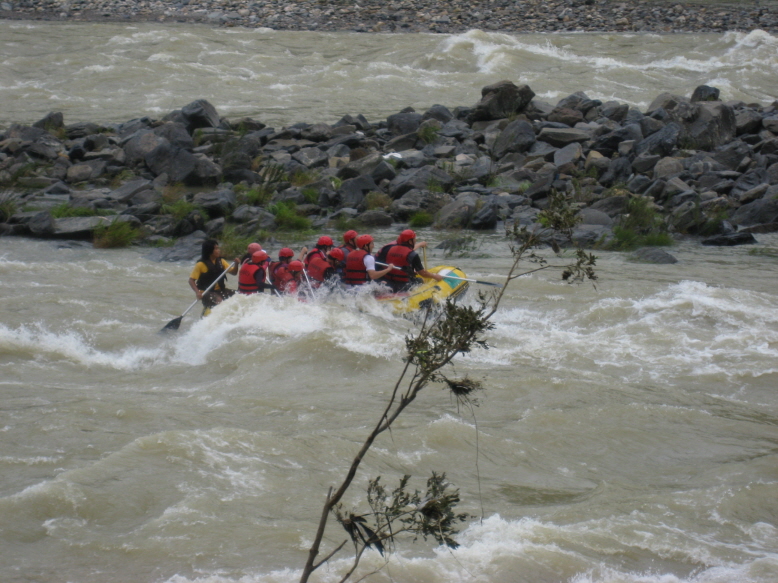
{"type": "Point", "coordinates": [37, 342]}
{"type": "Point", "coordinates": [690, 328]}
{"type": "Point", "coordinates": [281, 320]}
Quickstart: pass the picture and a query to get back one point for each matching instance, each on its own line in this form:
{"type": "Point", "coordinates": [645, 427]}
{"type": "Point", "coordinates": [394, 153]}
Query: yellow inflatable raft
{"type": "Point", "coordinates": [430, 292]}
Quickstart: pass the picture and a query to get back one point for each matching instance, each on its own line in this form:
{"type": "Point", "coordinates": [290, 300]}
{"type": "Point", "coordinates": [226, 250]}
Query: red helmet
{"type": "Point", "coordinates": [364, 240]}
{"type": "Point", "coordinates": [253, 248]}
{"type": "Point", "coordinates": [295, 266]}
{"type": "Point", "coordinates": [349, 235]}
{"type": "Point", "coordinates": [324, 241]}
{"type": "Point", "coordinates": [406, 236]}
{"type": "Point", "coordinates": [259, 256]}
{"type": "Point", "coordinates": [285, 252]}
{"type": "Point", "coordinates": [337, 254]}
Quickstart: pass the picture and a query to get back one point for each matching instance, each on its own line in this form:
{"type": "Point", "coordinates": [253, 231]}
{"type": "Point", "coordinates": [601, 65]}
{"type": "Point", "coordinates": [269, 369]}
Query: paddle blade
{"type": "Point", "coordinates": [172, 325]}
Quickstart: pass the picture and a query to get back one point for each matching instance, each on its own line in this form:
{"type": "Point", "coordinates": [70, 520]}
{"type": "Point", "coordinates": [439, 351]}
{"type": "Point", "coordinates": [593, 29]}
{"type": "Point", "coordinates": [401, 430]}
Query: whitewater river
{"type": "Point", "coordinates": [628, 432]}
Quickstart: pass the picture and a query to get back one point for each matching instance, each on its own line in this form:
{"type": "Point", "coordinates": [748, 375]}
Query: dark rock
{"type": "Point", "coordinates": [560, 137]}
{"type": "Point", "coordinates": [200, 114]}
{"type": "Point", "coordinates": [705, 93]}
{"type": "Point", "coordinates": [420, 178]}
{"type": "Point", "coordinates": [747, 121]}
{"type": "Point", "coordinates": [216, 204]}
{"type": "Point", "coordinates": [41, 224]}
{"type": "Point", "coordinates": [591, 216]}
{"type": "Point", "coordinates": [654, 255]}
{"type": "Point", "coordinates": [612, 206]}
{"type": "Point", "coordinates": [79, 227]}
{"type": "Point", "coordinates": [761, 211]}
{"type": "Point", "coordinates": [311, 157]}
{"type": "Point", "coordinates": [176, 134]}
{"type": "Point", "coordinates": [619, 171]}
{"type": "Point", "coordinates": [661, 143]}
{"type": "Point", "coordinates": [176, 162]}
{"type": "Point", "coordinates": [125, 192]}
{"type": "Point", "coordinates": [501, 100]}
{"type": "Point", "coordinates": [417, 200]}
{"type": "Point", "coordinates": [705, 125]}
{"type": "Point", "coordinates": [440, 113]}
{"type": "Point", "coordinates": [362, 166]}
{"type": "Point", "coordinates": [730, 239]}
{"type": "Point", "coordinates": [375, 218]}
{"type": "Point", "coordinates": [352, 192]}
{"type": "Point", "coordinates": [518, 136]}
{"type": "Point", "coordinates": [185, 249]}
{"type": "Point", "coordinates": [51, 121]}
{"type": "Point", "coordinates": [141, 144]}
{"type": "Point", "coordinates": [403, 123]}
{"type": "Point", "coordinates": [485, 219]}
{"type": "Point", "coordinates": [457, 213]}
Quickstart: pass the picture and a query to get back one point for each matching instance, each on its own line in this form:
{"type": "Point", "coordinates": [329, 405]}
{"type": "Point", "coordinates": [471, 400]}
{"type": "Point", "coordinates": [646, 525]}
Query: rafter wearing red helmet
{"type": "Point", "coordinates": [349, 242]}
{"type": "Point", "coordinates": [407, 263]}
{"type": "Point", "coordinates": [323, 246]}
{"type": "Point", "coordinates": [360, 264]}
{"type": "Point", "coordinates": [253, 274]}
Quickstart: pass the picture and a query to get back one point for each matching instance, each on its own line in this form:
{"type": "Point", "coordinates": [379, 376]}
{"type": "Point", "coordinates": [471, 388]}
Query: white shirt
{"type": "Point", "coordinates": [369, 262]}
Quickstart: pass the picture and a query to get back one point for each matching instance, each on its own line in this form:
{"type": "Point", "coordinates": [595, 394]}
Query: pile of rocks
{"type": "Point", "coordinates": [708, 166]}
{"type": "Point", "coordinates": [417, 15]}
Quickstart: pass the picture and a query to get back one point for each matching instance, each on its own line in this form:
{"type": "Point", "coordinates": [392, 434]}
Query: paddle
{"type": "Point", "coordinates": [176, 322]}
{"type": "Point", "coordinates": [455, 277]}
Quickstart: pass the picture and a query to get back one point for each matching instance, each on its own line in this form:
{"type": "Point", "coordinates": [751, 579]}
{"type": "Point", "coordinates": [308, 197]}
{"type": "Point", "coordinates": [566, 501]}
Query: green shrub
{"type": "Point", "coordinates": [182, 208]}
{"type": "Point", "coordinates": [117, 234]}
{"type": "Point", "coordinates": [8, 206]}
{"type": "Point", "coordinates": [303, 177]}
{"type": "Point", "coordinates": [233, 244]}
{"type": "Point", "coordinates": [311, 194]}
{"type": "Point", "coordinates": [428, 134]}
{"type": "Point", "coordinates": [287, 218]}
{"type": "Point", "coordinates": [377, 200]}
{"type": "Point", "coordinates": [641, 226]}
{"type": "Point", "coordinates": [420, 219]}
{"type": "Point", "coordinates": [65, 210]}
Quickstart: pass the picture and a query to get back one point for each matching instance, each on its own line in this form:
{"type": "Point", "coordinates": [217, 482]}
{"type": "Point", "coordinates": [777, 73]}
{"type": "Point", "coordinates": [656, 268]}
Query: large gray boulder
{"type": "Point", "coordinates": [761, 211]}
{"type": "Point", "coordinates": [501, 100]}
{"type": "Point", "coordinates": [185, 249]}
{"type": "Point", "coordinates": [416, 200]}
{"type": "Point", "coordinates": [561, 137]}
{"type": "Point", "coordinates": [129, 189]}
{"type": "Point", "coordinates": [660, 143]}
{"type": "Point", "coordinates": [419, 178]}
{"type": "Point", "coordinates": [403, 123]}
{"type": "Point", "coordinates": [217, 204]}
{"type": "Point", "coordinates": [200, 114]}
{"type": "Point", "coordinates": [79, 227]}
{"type": "Point", "coordinates": [458, 213]}
{"type": "Point", "coordinates": [518, 136]}
{"type": "Point", "coordinates": [168, 159]}
{"type": "Point", "coordinates": [141, 144]}
{"type": "Point", "coordinates": [705, 125]}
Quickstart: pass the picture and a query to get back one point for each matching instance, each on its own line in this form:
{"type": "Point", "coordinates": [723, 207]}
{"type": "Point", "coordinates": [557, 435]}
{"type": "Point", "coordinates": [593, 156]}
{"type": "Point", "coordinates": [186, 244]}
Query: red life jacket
{"type": "Point", "coordinates": [280, 275]}
{"type": "Point", "coordinates": [356, 273]}
{"type": "Point", "coordinates": [247, 280]}
{"type": "Point", "coordinates": [315, 252]}
{"type": "Point", "coordinates": [317, 267]}
{"type": "Point", "coordinates": [398, 256]}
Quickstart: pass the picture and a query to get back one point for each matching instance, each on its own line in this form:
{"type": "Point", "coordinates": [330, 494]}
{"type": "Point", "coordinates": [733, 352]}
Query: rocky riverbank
{"type": "Point", "coordinates": [523, 16]}
{"type": "Point", "coordinates": [686, 166]}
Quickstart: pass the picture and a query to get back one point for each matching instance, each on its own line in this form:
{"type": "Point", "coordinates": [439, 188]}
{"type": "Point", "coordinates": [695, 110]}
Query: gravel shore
{"type": "Point", "coordinates": [427, 16]}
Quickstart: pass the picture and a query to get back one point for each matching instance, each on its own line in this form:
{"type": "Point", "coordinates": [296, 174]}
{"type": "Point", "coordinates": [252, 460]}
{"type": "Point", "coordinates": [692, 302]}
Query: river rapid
{"type": "Point", "coordinates": [628, 431]}
{"type": "Point", "coordinates": [112, 73]}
